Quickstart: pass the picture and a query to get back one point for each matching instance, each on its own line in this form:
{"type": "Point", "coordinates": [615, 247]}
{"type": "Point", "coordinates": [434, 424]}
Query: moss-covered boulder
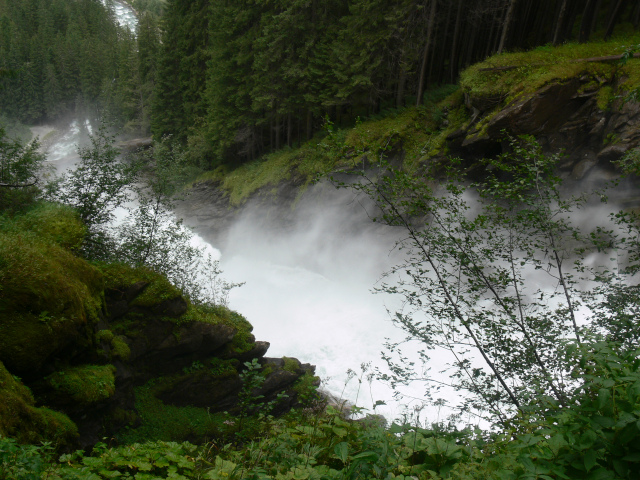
{"type": "Point", "coordinates": [154, 331]}
{"type": "Point", "coordinates": [22, 420]}
{"type": "Point", "coordinates": [49, 298]}
{"type": "Point", "coordinates": [81, 386]}
{"type": "Point", "coordinates": [570, 97]}
{"type": "Point", "coordinates": [90, 339]}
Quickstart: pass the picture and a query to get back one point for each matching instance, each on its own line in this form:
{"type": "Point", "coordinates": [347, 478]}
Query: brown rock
{"type": "Point", "coordinates": [583, 167]}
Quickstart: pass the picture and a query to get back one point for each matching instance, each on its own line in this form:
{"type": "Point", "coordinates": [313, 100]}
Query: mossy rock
{"type": "Point", "coordinates": [152, 288]}
{"type": "Point", "coordinates": [58, 223]}
{"type": "Point", "coordinates": [243, 341]}
{"type": "Point", "coordinates": [20, 419]}
{"type": "Point", "coordinates": [115, 344]}
{"type": "Point", "coordinates": [291, 364]}
{"type": "Point", "coordinates": [83, 385]}
{"type": "Point", "coordinates": [163, 421]}
{"type": "Point", "coordinates": [49, 300]}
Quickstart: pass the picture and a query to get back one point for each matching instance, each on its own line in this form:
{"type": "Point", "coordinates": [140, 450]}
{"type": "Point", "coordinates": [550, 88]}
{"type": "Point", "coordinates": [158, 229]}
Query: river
{"type": "Point", "coordinates": [307, 289]}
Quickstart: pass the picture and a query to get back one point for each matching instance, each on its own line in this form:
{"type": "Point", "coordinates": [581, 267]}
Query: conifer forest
{"type": "Point", "coordinates": [490, 149]}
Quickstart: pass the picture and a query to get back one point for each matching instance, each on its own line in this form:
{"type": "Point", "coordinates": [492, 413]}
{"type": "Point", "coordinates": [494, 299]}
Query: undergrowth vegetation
{"type": "Point", "coordinates": [598, 436]}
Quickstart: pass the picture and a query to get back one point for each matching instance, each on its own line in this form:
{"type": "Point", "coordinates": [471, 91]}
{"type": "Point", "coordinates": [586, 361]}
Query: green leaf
{"type": "Point", "coordinates": [590, 460]}
{"type": "Point", "coordinates": [342, 451]}
{"type": "Point", "coordinates": [339, 431]}
{"type": "Point", "coordinates": [556, 443]}
{"type": "Point", "coordinates": [604, 395]}
{"type": "Point", "coordinates": [601, 474]}
{"type": "Point", "coordinates": [370, 456]}
{"type": "Point", "coordinates": [587, 439]}
{"type": "Point", "coordinates": [605, 422]}
{"type": "Point", "coordinates": [634, 392]}
{"type": "Point", "coordinates": [395, 428]}
{"type": "Point", "coordinates": [621, 468]}
{"type": "Point", "coordinates": [632, 457]}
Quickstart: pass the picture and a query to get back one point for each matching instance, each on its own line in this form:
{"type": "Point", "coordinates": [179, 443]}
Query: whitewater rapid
{"type": "Point", "coordinates": [307, 291]}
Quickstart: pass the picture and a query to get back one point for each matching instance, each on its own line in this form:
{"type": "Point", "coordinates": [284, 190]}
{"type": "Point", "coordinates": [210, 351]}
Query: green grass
{"type": "Point", "coordinates": [543, 65]}
{"type": "Point", "coordinates": [418, 132]}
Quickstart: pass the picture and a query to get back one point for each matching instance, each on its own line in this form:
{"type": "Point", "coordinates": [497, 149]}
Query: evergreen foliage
{"type": "Point", "coordinates": [20, 167]}
{"type": "Point", "coordinates": [240, 79]}
{"type": "Point", "coordinates": [65, 58]}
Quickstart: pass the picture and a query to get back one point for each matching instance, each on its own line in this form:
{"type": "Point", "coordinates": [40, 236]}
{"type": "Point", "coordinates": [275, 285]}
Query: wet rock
{"type": "Point", "coordinates": [564, 117]}
{"type": "Point", "coordinates": [136, 144]}
{"type": "Point", "coordinates": [584, 166]}
{"type": "Point", "coordinates": [614, 152]}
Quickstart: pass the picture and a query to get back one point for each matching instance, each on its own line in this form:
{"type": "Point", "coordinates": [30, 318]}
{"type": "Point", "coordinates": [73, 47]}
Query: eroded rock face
{"type": "Point", "coordinates": [564, 117]}
{"type": "Point", "coordinates": [146, 336]}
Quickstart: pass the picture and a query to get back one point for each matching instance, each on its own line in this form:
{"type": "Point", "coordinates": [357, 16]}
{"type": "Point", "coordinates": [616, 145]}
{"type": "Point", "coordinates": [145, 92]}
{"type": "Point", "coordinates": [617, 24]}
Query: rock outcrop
{"type": "Point", "coordinates": [87, 350]}
{"type": "Point", "coordinates": [580, 117]}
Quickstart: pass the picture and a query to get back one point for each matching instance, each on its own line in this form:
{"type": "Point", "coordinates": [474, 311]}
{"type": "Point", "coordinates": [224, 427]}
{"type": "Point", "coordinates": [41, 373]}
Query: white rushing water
{"type": "Point", "coordinates": [307, 290]}
{"type": "Point", "coordinates": [125, 15]}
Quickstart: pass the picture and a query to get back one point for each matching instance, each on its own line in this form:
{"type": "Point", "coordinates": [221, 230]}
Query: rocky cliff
{"type": "Point", "coordinates": [89, 351]}
{"type": "Point", "coordinates": [573, 108]}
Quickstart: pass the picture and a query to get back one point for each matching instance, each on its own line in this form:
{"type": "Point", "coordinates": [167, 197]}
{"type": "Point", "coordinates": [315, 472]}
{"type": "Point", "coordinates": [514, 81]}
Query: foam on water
{"type": "Point", "coordinates": [125, 15]}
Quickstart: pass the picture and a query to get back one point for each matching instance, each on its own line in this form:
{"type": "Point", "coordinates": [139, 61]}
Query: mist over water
{"type": "Point", "coordinates": [309, 279]}
{"type": "Point", "coordinates": [308, 287]}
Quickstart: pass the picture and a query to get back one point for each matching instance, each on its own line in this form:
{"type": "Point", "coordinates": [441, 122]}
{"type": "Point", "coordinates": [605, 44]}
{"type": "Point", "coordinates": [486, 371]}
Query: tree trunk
{"type": "Point", "coordinates": [594, 19]}
{"type": "Point", "coordinates": [442, 54]}
{"type": "Point", "coordinates": [402, 80]}
{"type": "Point", "coordinates": [613, 18]}
{"type": "Point", "coordinates": [469, 45]}
{"type": "Point", "coordinates": [309, 124]}
{"type": "Point", "coordinates": [525, 20]}
{"type": "Point", "coordinates": [573, 11]}
{"type": "Point", "coordinates": [289, 129]}
{"type": "Point", "coordinates": [507, 23]}
{"type": "Point", "coordinates": [271, 130]}
{"type": "Point", "coordinates": [425, 56]}
{"type": "Point", "coordinates": [585, 25]}
{"type": "Point", "coordinates": [636, 18]}
{"type": "Point", "coordinates": [492, 40]}
{"type": "Point", "coordinates": [556, 34]}
{"type": "Point", "coordinates": [454, 61]}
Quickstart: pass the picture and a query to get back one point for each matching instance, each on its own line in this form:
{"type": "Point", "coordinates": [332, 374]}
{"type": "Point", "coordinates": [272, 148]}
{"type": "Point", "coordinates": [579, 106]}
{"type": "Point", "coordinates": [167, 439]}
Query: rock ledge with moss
{"type": "Point", "coordinates": [89, 351]}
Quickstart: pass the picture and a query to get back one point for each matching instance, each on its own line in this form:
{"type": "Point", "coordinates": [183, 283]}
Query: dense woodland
{"type": "Point", "coordinates": [238, 79]}
{"type": "Point", "coordinates": [60, 59]}
{"type": "Point", "coordinates": [242, 78]}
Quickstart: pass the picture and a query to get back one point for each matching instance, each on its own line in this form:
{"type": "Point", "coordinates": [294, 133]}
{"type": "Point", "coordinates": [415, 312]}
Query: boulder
{"type": "Point", "coordinates": [131, 340]}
